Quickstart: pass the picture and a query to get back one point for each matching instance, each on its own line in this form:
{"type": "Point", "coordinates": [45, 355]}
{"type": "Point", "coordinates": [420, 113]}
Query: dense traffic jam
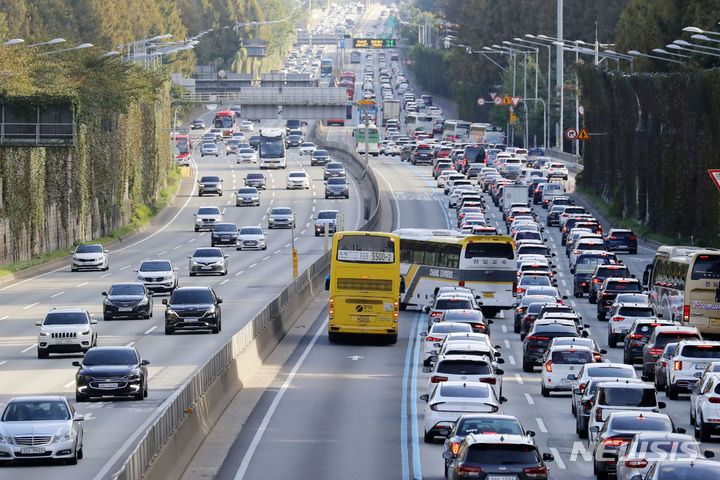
{"type": "Point", "coordinates": [615, 405]}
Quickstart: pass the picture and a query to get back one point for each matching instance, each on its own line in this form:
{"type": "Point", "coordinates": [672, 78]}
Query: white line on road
{"type": "Point", "coordinates": [239, 273]}
{"type": "Point", "coordinates": [149, 330]}
{"type": "Point", "coordinates": [519, 379]}
{"type": "Point", "coordinates": [266, 258]}
{"type": "Point", "coordinates": [30, 306]}
{"type": "Point", "coordinates": [125, 267]}
{"type": "Point", "coordinates": [529, 399]}
{"type": "Point", "coordinates": [541, 425]}
{"type": "Point", "coordinates": [277, 251]}
{"type": "Point", "coordinates": [253, 265]}
{"type": "Point", "coordinates": [162, 253]}
{"type": "Point", "coordinates": [81, 284]}
{"type": "Point", "coordinates": [3, 363]}
{"type": "Point", "coordinates": [191, 240]}
{"type": "Point", "coordinates": [558, 460]}
{"type": "Point", "coordinates": [276, 401]}
{"type": "Point", "coordinates": [179, 246]}
{"type": "Point", "coordinates": [512, 360]}
{"type": "Point", "coordinates": [507, 343]}
{"type": "Point", "coordinates": [105, 275]}
{"type": "Point", "coordinates": [224, 281]}
{"type": "Point", "coordinates": [287, 245]}
{"type": "Point", "coordinates": [504, 329]}
{"type": "Point", "coordinates": [28, 348]}
{"type": "Point", "coordinates": [69, 384]}
{"type": "Point", "coordinates": [4, 317]}
{"type": "Point", "coordinates": [56, 295]}
{"type": "Point", "coordinates": [302, 232]}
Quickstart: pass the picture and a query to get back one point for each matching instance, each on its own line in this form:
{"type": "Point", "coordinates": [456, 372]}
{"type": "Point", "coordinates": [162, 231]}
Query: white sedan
{"type": "Point", "coordinates": [246, 155]}
{"type": "Point", "coordinates": [251, 238]}
{"type": "Point", "coordinates": [298, 179]}
{"type": "Point", "coordinates": [307, 148]}
{"type": "Point", "coordinates": [247, 125]}
{"type": "Point", "coordinates": [449, 400]}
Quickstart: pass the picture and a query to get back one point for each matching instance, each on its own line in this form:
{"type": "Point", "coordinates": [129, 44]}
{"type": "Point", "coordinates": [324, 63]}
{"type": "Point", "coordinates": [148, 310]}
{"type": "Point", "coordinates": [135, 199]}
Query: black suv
{"type": "Point", "coordinates": [540, 336]}
{"type": "Point", "coordinates": [192, 308]}
{"type": "Point", "coordinates": [585, 267]}
{"type": "Point", "coordinates": [224, 234]}
{"type": "Point", "coordinates": [319, 157]}
{"type": "Point", "coordinates": [601, 273]}
{"type": "Point", "coordinates": [660, 338]}
{"type": "Point", "coordinates": [621, 239]}
{"type": "Point", "coordinates": [422, 154]}
{"type": "Point", "coordinates": [609, 290]}
{"type": "Point", "coordinates": [638, 336]}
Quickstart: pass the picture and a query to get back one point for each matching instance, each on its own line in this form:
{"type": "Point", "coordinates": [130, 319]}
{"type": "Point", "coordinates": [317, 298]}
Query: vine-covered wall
{"type": "Point", "coordinates": [653, 138]}
{"type": "Point", "coordinates": [54, 197]}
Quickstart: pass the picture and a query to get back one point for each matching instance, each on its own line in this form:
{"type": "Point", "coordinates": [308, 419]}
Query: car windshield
{"type": "Point", "coordinates": [701, 351]}
{"type": "Point", "coordinates": [627, 397]}
{"type": "Point", "coordinates": [251, 231]}
{"type": "Point", "coordinates": [463, 316]}
{"type": "Point", "coordinates": [297, 175]}
{"type": "Point", "coordinates": [467, 391]}
{"type": "Point", "coordinates": [489, 250]}
{"type": "Point", "coordinates": [233, 142]}
{"type": "Point", "coordinates": [89, 249]}
{"type": "Point", "coordinates": [687, 471]}
{"type": "Point", "coordinates": [321, 153]}
{"type": "Point", "coordinates": [454, 303]}
{"type": "Point", "coordinates": [336, 181]}
{"type": "Point", "coordinates": [536, 280]}
{"type": "Point", "coordinates": [534, 250]}
{"type": "Point", "coordinates": [127, 289]}
{"type": "Point", "coordinates": [208, 211]}
{"type": "Point", "coordinates": [207, 252]}
{"type": "Point", "coordinates": [155, 266]}
{"type": "Point", "coordinates": [623, 286]}
{"type": "Point", "coordinates": [463, 367]}
{"type": "Point", "coordinates": [209, 179]}
{"type": "Point", "coordinates": [450, 328]}
{"type": "Point", "coordinates": [706, 267]}
{"type": "Point", "coordinates": [225, 227]}
{"type": "Point", "coordinates": [110, 356]}
{"type": "Point", "coordinates": [281, 211]}
{"type": "Point", "coordinates": [327, 215]}
{"type": "Point", "coordinates": [246, 150]}
{"type": "Point", "coordinates": [572, 357]}
{"type": "Point", "coordinates": [592, 260]}
{"type": "Point", "coordinates": [65, 318]}
{"type": "Point", "coordinates": [247, 191]}
{"type": "Point", "coordinates": [181, 296]}
{"type": "Point", "coordinates": [334, 166]}
{"type": "Point", "coordinates": [36, 410]}
{"type": "Point", "coordinates": [489, 425]}
{"type": "Point", "coordinates": [615, 372]}
{"type": "Point", "coordinates": [501, 454]}
{"type": "Point", "coordinates": [640, 422]}
{"type": "Point", "coordinates": [254, 176]}
{"type": "Point", "coordinates": [308, 144]}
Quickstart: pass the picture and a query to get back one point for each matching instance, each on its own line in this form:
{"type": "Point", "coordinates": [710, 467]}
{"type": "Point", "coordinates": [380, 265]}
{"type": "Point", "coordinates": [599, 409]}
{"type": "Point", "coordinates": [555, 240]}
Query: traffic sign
{"type": "Point", "coordinates": [342, 43]}
{"type": "Point", "coordinates": [583, 134]}
{"type": "Point", "coordinates": [581, 110]}
{"type": "Point", "coordinates": [513, 118]}
{"type": "Point", "coordinates": [715, 174]}
{"type": "Point", "coordinates": [481, 101]}
{"type": "Point", "coordinates": [571, 134]}
{"type": "Point", "coordinates": [497, 101]}
{"type": "Point", "coordinates": [493, 95]}
{"type": "Point", "coordinates": [515, 101]}
{"type": "Point", "coordinates": [366, 101]}
{"type": "Point", "coordinates": [506, 100]}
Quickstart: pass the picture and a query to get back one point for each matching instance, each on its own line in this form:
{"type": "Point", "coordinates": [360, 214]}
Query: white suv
{"type": "Point", "coordinates": [689, 361]}
{"type": "Point", "coordinates": [622, 316]}
{"type": "Point", "coordinates": [559, 362]}
{"type": "Point", "coordinates": [470, 368]}
{"type": "Point", "coordinates": [706, 414]}
{"type": "Point", "coordinates": [207, 217]}
{"type": "Point", "coordinates": [66, 330]}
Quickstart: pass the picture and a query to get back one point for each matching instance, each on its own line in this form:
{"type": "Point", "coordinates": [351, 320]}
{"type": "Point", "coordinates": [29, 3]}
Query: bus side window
{"type": "Point", "coordinates": [402, 284]}
{"type": "Point", "coordinates": [327, 282]}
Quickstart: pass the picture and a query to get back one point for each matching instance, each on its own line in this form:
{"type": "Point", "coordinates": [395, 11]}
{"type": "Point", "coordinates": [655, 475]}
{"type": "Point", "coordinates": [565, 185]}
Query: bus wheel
{"type": "Point", "coordinates": [403, 306]}
{"type": "Point", "coordinates": [332, 337]}
{"type": "Point", "coordinates": [392, 339]}
{"type": "Point", "coordinates": [490, 312]}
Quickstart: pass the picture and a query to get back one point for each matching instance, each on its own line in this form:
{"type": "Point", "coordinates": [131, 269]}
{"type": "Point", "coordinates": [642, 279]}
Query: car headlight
{"type": "Point", "coordinates": [169, 277]}
{"type": "Point", "coordinates": [63, 436]}
{"type": "Point", "coordinates": [84, 378]}
{"type": "Point", "coordinates": [140, 278]}
{"type": "Point", "coordinates": [133, 377]}
{"type": "Point", "coordinates": [194, 262]}
{"type": "Point", "coordinates": [44, 334]}
{"type": "Point", "coordinates": [170, 311]}
{"type": "Point", "coordinates": [3, 438]}
{"type": "Point", "coordinates": [86, 332]}
{"type": "Point", "coordinates": [143, 302]}
{"type": "Point", "coordinates": [271, 220]}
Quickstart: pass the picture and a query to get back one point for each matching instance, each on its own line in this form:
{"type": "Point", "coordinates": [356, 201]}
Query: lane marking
{"type": "Point", "coordinates": [541, 425]}
{"type": "Point", "coordinates": [519, 379]}
{"type": "Point", "coordinates": [150, 330]}
{"type": "Point", "coordinates": [28, 348]}
{"type": "Point", "coordinates": [253, 265]}
{"type": "Point", "coordinates": [56, 295]}
{"type": "Point", "coordinates": [504, 328]}
{"type": "Point", "coordinates": [162, 253]}
{"type": "Point", "coordinates": [417, 466]}
{"type": "Point", "coordinates": [105, 275]}
{"type": "Point", "coordinates": [3, 363]}
{"type": "Point", "coordinates": [81, 284]}
{"type": "Point", "coordinates": [30, 306]}
{"type": "Point", "coordinates": [126, 266]}
{"type": "Point", "coordinates": [265, 258]}
{"type": "Point", "coordinates": [276, 401]}
{"type": "Point", "coordinates": [405, 466]}
{"type": "Point", "coordinates": [507, 343]}
{"type": "Point", "coordinates": [511, 359]}
{"type": "Point", "coordinates": [224, 281]}
{"type": "Point", "coordinates": [4, 317]}
{"type": "Point", "coordinates": [239, 273]}
{"type": "Point", "coordinates": [529, 398]}
{"type": "Point", "coordinates": [558, 460]}
{"type": "Point", "coordinates": [69, 384]}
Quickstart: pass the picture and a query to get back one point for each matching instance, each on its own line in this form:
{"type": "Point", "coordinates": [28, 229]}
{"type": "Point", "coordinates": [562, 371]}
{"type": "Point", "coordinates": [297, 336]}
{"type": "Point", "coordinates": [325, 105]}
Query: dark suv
{"type": "Point", "coordinates": [609, 290]}
{"type": "Point", "coordinates": [601, 273]}
{"type": "Point", "coordinates": [540, 336]}
{"type": "Point", "coordinates": [637, 336]}
{"type": "Point", "coordinates": [659, 339]}
{"type": "Point", "coordinates": [422, 154]}
{"type": "Point", "coordinates": [319, 157]}
{"type": "Point", "coordinates": [193, 308]}
{"type": "Point", "coordinates": [585, 267]}
{"type": "Point", "coordinates": [621, 239]}
{"type": "Point", "coordinates": [498, 455]}
{"type": "Point", "coordinates": [224, 234]}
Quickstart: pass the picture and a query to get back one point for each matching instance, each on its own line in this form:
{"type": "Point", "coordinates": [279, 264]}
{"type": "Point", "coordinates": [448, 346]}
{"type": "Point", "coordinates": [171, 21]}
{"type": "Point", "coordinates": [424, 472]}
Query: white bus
{"type": "Point", "coordinates": [373, 140]}
{"type": "Point", "coordinates": [430, 259]}
{"type": "Point", "coordinates": [684, 286]}
{"type": "Point", "coordinates": [456, 130]}
{"type": "Point", "coordinates": [477, 132]}
{"type": "Point", "coordinates": [419, 120]}
{"type": "Point", "coordinates": [271, 150]}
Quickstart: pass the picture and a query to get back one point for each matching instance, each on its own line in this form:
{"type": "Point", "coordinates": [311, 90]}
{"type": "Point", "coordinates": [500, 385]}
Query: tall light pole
{"type": "Point", "coordinates": [79, 47]}
{"type": "Point", "coordinates": [635, 53]}
{"type": "Point", "coordinates": [14, 41]}
{"type": "Point", "coordinates": [560, 73]}
{"type": "Point", "coordinates": [549, 47]}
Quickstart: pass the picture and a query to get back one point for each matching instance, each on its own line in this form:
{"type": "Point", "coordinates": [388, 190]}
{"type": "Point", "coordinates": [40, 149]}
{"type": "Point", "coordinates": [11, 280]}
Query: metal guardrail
{"type": "Point", "coordinates": [166, 418]}
{"type": "Point", "coordinates": [37, 134]}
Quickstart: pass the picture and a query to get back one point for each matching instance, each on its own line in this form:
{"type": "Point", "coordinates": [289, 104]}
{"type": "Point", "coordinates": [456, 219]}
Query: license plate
{"type": "Point", "coordinates": [32, 450]}
{"type": "Point", "coordinates": [489, 295]}
{"type": "Point", "coordinates": [190, 319]}
{"type": "Point", "coordinates": [206, 268]}
{"type": "Point", "coordinates": [715, 321]}
{"type": "Point", "coordinates": [565, 381]}
{"type": "Point", "coordinates": [125, 309]}
{"type": "Point", "coordinates": [700, 366]}
{"type": "Point", "coordinates": [362, 318]}
{"type": "Point", "coordinates": [501, 477]}
{"type": "Point", "coordinates": [66, 341]}
{"type": "Point", "coordinates": [107, 385]}
{"type": "Point", "coordinates": [272, 164]}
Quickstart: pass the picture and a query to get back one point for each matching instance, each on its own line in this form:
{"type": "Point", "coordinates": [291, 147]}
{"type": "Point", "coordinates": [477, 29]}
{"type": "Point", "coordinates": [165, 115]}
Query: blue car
{"type": "Point", "coordinates": [621, 239]}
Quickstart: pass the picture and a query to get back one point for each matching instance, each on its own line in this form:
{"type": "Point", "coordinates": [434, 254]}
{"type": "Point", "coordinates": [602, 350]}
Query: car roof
{"type": "Point", "coordinates": [194, 287]}
{"type": "Point", "coordinates": [67, 310]}
{"type": "Point", "coordinates": [499, 438]}
{"type": "Point", "coordinates": [38, 398]}
{"type": "Point", "coordinates": [626, 383]}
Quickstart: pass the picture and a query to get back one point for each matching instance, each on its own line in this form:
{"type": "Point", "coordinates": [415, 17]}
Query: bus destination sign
{"type": "Point", "coordinates": [373, 43]}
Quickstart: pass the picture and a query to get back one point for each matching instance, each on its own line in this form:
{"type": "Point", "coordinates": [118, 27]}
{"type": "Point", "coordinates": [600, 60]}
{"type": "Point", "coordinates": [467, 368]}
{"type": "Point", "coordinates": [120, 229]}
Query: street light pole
{"type": "Point", "coordinates": [560, 67]}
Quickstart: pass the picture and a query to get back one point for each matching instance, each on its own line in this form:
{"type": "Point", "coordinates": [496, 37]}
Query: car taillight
{"type": "Point", "coordinates": [636, 335]}
{"type": "Point", "coordinates": [633, 237]}
{"type": "Point", "coordinates": [491, 381]}
{"type": "Point", "coordinates": [435, 314]}
{"type": "Point", "coordinates": [434, 406]}
{"type": "Point", "coordinates": [598, 357]}
{"type": "Point", "coordinates": [686, 313]}
{"type": "Point", "coordinates": [677, 365]}
{"type": "Point", "coordinates": [615, 442]}
{"type": "Point", "coordinates": [433, 339]}
{"type": "Point", "coordinates": [535, 472]}
{"type": "Point", "coordinates": [469, 471]}
{"type": "Point", "coordinates": [454, 448]}
{"type": "Point", "coordinates": [618, 319]}
{"type": "Point", "coordinates": [656, 351]}
{"type": "Point", "coordinates": [548, 365]}
{"type": "Point", "coordinates": [535, 337]}
{"type": "Point", "coordinates": [664, 364]}
{"type": "Point", "coordinates": [514, 288]}
{"type": "Point", "coordinates": [714, 399]}
{"type": "Point", "coordinates": [519, 290]}
{"type": "Point", "coordinates": [638, 463]}
{"type": "Point", "coordinates": [479, 326]}
{"type": "Point", "coordinates": [438, 379]}
{"type": "Point", "coordinates": [598, 415]}
{"type": "Point", "coordinates": [582, 386]}
{"type": "Point", "coordinates": [597, 280]}
{"type": "Point", "coordinates": [613, 238]}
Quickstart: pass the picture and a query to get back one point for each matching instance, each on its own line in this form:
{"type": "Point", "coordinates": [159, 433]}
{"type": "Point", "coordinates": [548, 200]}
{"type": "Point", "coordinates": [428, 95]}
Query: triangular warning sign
{"type": "Point", "coordinates": [493, 95]}
{"type": "Point", "coordinates": [506, 100]}
{"type": "Point", "coordinates": [583, 135]}
{"type": "Point", "coordinates": [515, 101]}
{"type": "Point", "coordinates": [715, 174]}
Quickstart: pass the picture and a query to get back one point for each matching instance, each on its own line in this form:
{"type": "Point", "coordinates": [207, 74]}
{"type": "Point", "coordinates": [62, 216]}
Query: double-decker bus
{"type": "Point", "coordinates": [225, 119]}
{"type": "Point", "coordinates": [373, 139]}
{"type": "Point", "coordinates": [326, 68]}
{"type": "Point", "coordinates": [364, 284]}
{"type": "Point", "coordinates": [456, 130]}
{"type": "Point", "coordinates": [271, 149]}
{"type": "Point", "coordinates": [184, 146]}
{"type": "Point", "coordinates": [684, 286]}
{"type": "Point", "coordinates": [430, 259]}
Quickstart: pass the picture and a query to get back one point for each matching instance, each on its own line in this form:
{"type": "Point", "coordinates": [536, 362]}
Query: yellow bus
{"type": "Point", "coordinates": [684, 286]}
{"type": "Point", "coordinates": [364, 284]}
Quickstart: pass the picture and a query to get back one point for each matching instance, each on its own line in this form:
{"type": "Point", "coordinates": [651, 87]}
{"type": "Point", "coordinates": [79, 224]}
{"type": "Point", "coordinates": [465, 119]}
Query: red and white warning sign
{"type": "Point", "coordinates": [715, 174]}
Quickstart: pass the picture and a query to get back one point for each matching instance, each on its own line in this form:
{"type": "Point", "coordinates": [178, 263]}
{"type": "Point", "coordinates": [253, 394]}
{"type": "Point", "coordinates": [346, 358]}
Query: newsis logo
{"type": "Point", "coordinates": [654, 451]}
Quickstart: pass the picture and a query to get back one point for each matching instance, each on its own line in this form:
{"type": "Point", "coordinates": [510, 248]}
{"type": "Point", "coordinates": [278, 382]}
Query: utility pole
{"type": "Point", "coordinates": [560, 65]}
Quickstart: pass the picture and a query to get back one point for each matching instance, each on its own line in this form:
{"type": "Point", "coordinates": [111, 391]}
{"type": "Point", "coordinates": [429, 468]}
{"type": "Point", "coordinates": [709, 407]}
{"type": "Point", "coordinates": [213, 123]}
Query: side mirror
{"type": "Point", "coordinates": [530, 433]}
{"type": "Point", "coordinates": [577, 391]}
{"type": "Point", "coordinates": [448, 455]}
{"type": "Point", "coordinates": [662, 405]}
{"type": "Point", "coordinates": [500, 361]}
{"type": "Point", "coordinates": [135, 269]}
{"type": "Point", "coordinates": [433, 358]}
{"type": "Point", "coordinates": [564, 297]}
{"type": "Point", "coordinates": [680, 430]}
{"type": "Point", "coordinates": [548, 457]}
{"type": "Point", "coordinates": [500, 371]}
{"type": "Point", "coordinates": [164, 301]}
{"type": "Point", "coordinates": [572, 376]}
{"type": "Point", "coordinates": [603, 352]}
{"type": "Point", "coordinates": [709, 454]}
{"type": "Point", "coordinates": [93, 322]}
{"type": "Point", "coordinates": [644, 378]}
{"type": "Point", "coordinates": [427, 309]}
{"type": "Point", "coordinates": [220, 300]}
{"type": "Point", "coordinates": [586, 325]}
{"type": "Point", "coordinates": [145, 362]}
{"type": "Point", "coordinates": [585, 334]}
{"type": "Point", "coordinates": [497, 347]}
{"type": "Point", "coordinates": [104, 294]}
{"type": "Point", "coordinates": [189, 256]}
{"type": "Point", "coordinates": [402, 284]}
{"type": "Point", "coordinates": [75, 363]}
{"type": "Point", "coordinates": [426, 370]}
{"type": "Point", "coordinates": [502, 399]}
{"type": "Point", "coordinates": [424, 397]}
{"type": "Point", "coordinates": [38, 323]}
{"type": "Point", "coordinates": [78, 417]}
{"type": "Point", "coordinates": [175, 269]}
{"type": "Point", "coordinates": [659, 315]}
{"type": "Point", "coordinates": [594, 429]}
{"type": "Point", "coordinates": [423, 334]}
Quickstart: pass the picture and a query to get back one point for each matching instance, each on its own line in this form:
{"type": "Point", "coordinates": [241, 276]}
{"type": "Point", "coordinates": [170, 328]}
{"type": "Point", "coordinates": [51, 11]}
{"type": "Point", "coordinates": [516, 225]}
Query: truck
{"type": "Point", "coordinates": [514, 194]}
{"type": "Point", "coordinates": [391, 109]}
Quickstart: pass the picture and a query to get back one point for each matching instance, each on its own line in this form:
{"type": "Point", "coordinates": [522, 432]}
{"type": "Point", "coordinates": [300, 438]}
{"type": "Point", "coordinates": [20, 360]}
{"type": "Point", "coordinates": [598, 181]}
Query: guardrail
{"type": "Point", "coordinates": [168, 416]}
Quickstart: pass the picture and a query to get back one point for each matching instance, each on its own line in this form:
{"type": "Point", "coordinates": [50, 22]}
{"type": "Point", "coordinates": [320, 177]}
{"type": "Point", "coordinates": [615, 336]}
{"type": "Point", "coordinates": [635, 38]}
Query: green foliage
{"type": "Point", "coordinates": [653, 138]}
{"type": "Point", "coordinates": [428, 68]}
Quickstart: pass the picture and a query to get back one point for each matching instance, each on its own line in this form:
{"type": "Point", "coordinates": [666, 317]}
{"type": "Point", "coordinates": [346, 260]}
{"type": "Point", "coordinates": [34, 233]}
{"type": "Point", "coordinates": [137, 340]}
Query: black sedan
{"type": "Point", "coordinates": [193, 308]}
{"type": "Point", "coordinates": [111, 372]}
{"type": "Point", "coordinates": [127, 300]}
{"type": "Point", "coordinates": [224, 234]}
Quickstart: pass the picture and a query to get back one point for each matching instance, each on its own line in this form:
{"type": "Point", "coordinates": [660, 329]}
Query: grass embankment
{"type": "Point", "coordinates": [140, 217]}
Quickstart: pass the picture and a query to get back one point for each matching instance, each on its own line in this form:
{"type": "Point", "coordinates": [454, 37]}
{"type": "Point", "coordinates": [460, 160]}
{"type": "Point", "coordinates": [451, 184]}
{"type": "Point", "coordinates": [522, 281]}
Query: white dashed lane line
{"type": "Point", "coordinates": [69, 384]}
{"type": "Point", "coordinates": [28, 348]}
{"type": "Point", "coordinates": [529, 399]}
{"type": "Point", "coordinates": [30, 306]}
{"type": "Point", "coordinates": [56, 295]}
{"type": "Point", "coordinates": [224, 281]}
{"type": "Point", "coordinates": [4, 317]}
{"type": "Point", "coordinates": [149, 330]}
{"type": "Point", "coordinates": [253, 265]}
{"type": "Point", "coordinates": [541, 425]}
{"type": "Point", "coordinates": [125, 267]}
{"type": "Point", "coordinates": [81, 284]}
{"type": "Point", "coordinates": [519, 379]}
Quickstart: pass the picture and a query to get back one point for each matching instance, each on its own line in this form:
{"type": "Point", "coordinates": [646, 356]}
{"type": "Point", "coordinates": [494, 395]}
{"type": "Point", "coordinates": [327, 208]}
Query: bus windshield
{"type": "Point", "coordinates": [365, 249]}
{"type": "Point", "coordinates": [222, 121]}
{"type": "Point", "coordinates": [706, 266]}
{"type": "Point", "coordinates": [489, 250]}
{"type": "Point", "coordinates": [272, 147]}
